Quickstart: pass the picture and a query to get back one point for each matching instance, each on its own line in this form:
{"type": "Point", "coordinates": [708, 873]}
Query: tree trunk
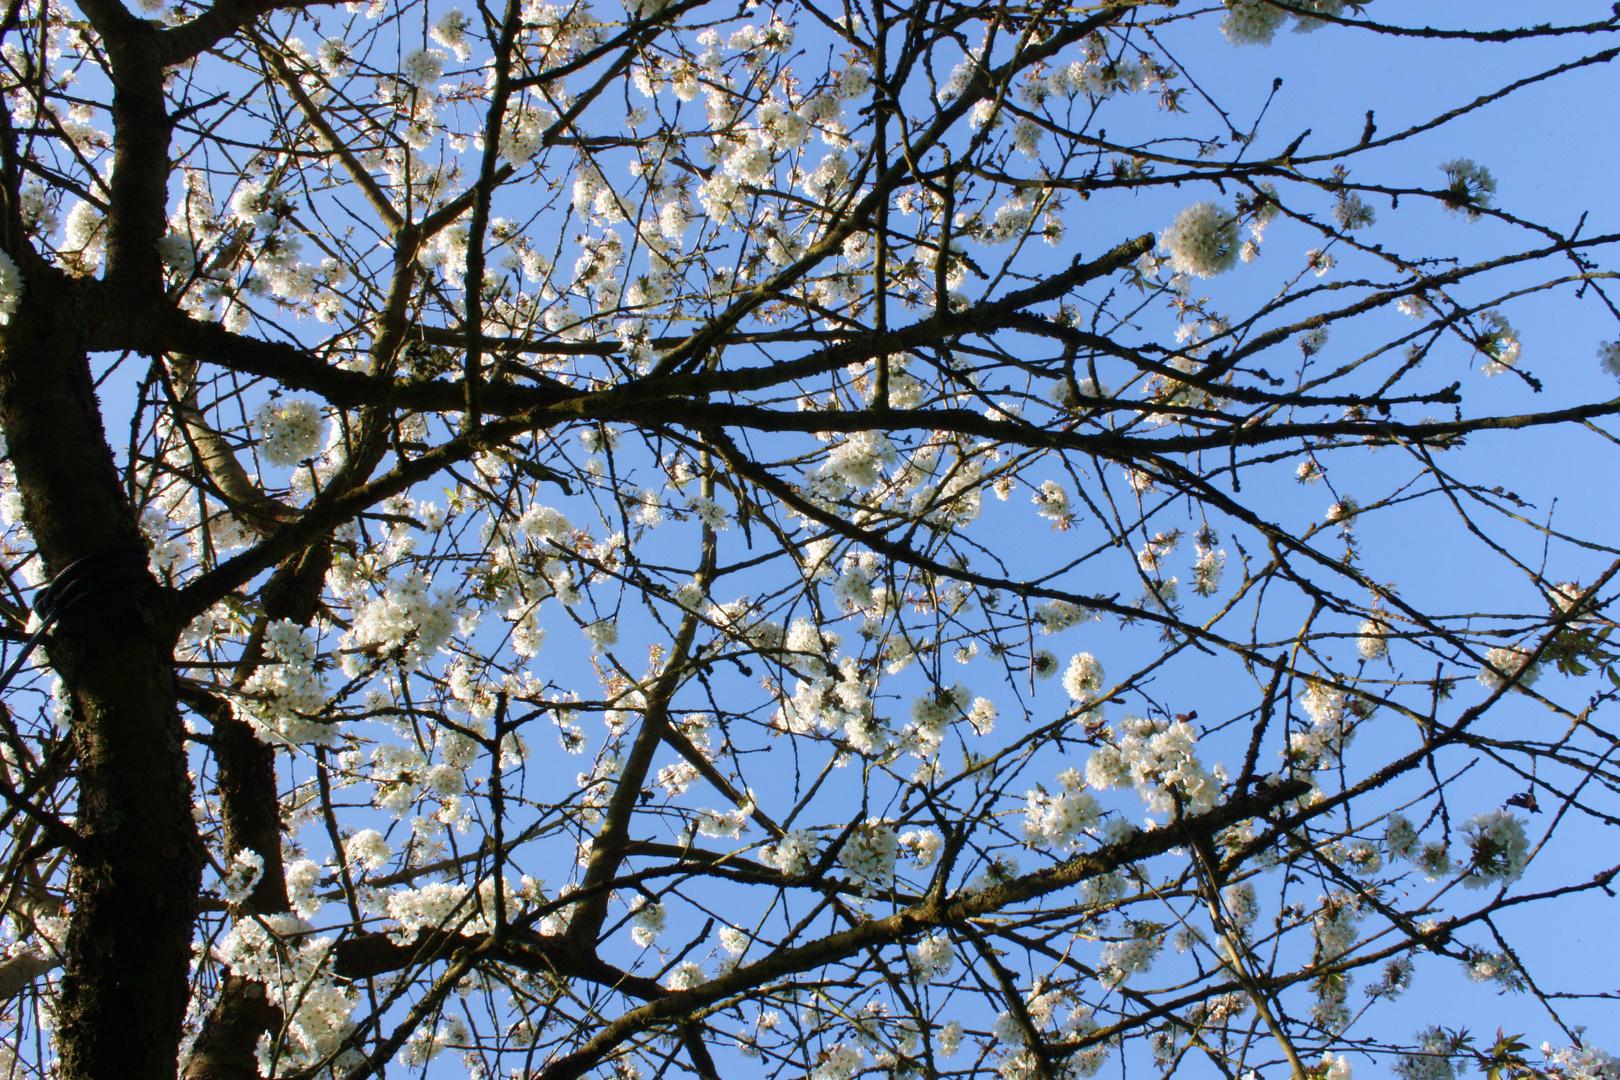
{"type": "Point", "coordinates": [137, 866]}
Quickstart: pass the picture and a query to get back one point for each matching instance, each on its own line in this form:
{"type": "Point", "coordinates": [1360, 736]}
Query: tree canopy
{"type": "Point", "coordinates": [909, 538]}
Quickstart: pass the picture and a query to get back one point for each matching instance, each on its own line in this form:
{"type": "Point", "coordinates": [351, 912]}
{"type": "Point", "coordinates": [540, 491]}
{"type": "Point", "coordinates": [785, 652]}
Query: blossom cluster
{"type": "Point", "coordinates": [283, 696]}
{"type": "Point", "coordinates": [868, 855]}
{"type": "Point", "coordinates": [1203, 239]}
{"type": "Point", "coordinates": [281, 953]}
{"type": "Point", "coordinates": [1498, 849]}
{"type": "Point", "coordinates": [1504, 662]}
{"type": "Point", "coordinates": [1581, 1061]}
{"type": "Point", "coordinates": [1330, 732]}
{"type": "Point", "coordinates": [1256, 22]}
{"type": "Point", "coordinates": [1159, 760]}
{"type": "Point", "coordinates": [1061, 820]}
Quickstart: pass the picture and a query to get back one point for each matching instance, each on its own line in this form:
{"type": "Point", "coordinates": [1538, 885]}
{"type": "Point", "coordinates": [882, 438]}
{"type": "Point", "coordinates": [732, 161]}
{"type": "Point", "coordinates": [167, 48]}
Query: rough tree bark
{"type": "Point", "coordinates": [137, 858]}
